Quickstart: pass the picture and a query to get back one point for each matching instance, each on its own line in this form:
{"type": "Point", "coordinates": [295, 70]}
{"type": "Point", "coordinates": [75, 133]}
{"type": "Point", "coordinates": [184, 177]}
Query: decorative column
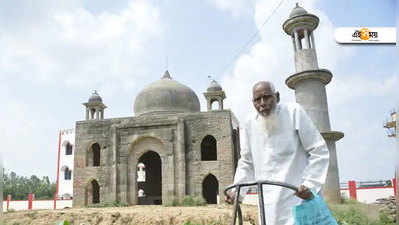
{"type": "Point", "coordinates": [95, 107]}
{"type": "Point", "coordinates": [181, 162]}
{"type": "Point", "coordinates": [309, 84]}
{"type": "Point", "coordinates": [214, 93]}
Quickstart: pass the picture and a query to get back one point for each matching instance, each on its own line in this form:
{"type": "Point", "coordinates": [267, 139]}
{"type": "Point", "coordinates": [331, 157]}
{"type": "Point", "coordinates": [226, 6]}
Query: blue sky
{"type": "Point", "coordinates": [54, 54]}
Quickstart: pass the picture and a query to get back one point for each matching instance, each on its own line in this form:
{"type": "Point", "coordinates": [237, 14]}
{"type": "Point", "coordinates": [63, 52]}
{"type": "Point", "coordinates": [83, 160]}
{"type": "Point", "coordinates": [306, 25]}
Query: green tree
{"type": "Point", "coordinates": [19, 186]}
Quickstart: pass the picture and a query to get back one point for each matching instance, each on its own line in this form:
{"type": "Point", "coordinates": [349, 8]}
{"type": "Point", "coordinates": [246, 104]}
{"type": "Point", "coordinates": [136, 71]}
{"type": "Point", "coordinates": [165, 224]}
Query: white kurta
{"type": "Point", "coordinates": [295, 153]}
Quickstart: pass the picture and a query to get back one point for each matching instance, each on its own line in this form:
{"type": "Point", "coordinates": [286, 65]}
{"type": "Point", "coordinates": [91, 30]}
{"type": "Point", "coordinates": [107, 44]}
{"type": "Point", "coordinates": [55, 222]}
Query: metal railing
{"type": "Point", "coordinates": [259, 185]}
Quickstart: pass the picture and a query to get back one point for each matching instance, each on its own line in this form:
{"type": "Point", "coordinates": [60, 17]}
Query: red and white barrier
{"type": "Point", "coordinates": [368, 194]}
{"type": "Point", "coordinates": [362, 194]}
{"type": "Point", "coordinates": [32, 204]}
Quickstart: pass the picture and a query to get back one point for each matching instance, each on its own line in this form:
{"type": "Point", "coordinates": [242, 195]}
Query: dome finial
{"type": "Point", "coordinates": [214, 86]}
{"type": "Point", "coordinates": [95, 97]}
{"type": "Point", "coordinates": [297, 11]}
{"type": "Point", "coordinates": [166, 75]}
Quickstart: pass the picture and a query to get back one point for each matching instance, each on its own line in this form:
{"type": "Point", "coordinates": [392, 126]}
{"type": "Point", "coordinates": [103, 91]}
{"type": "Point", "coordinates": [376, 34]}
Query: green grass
{"type": "Point", "coordinates": [107, 204]}
{"type": "Point", "coordinates": [189, 200]}
{"type": "Point", "coordinates": [355, 213]}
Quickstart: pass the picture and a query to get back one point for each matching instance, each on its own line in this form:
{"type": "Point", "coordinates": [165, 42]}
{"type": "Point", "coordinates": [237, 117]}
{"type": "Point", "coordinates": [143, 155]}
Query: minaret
{"type": "Point", "coordinates": [214, 93]}
{"type": "Point", "coordinates": [309, 84]}
{"type": "Point", "coordinates": [95, 107]}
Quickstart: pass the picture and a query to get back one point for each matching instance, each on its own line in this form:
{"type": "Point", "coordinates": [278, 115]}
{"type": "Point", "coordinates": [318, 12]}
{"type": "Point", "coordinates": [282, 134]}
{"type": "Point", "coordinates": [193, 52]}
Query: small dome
{"type": "Point", "coordinates": [214, 86]}
{"type": "Point", "coordinates": [298, 11]}
{"type": "Point", "coordinates": [166, 95]}
{"type": "Point", "coordinates": [95, 97]}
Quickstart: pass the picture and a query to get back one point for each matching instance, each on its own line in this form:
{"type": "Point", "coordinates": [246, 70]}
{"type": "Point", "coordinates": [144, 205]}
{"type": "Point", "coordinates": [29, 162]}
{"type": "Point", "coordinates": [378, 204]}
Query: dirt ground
{"type": "Point", "coordinates": [147, 215]}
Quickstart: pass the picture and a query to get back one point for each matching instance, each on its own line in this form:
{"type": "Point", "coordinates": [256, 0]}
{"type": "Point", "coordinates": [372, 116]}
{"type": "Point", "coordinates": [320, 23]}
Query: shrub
{"type": "Point", "coordinates": [352, 215]}
{"type": "Point", "coordinates": [189, 200]}
{"type": "Point", "coordinates": [10, 210]}
{"type": "Point", "coordinates": [107, 204]}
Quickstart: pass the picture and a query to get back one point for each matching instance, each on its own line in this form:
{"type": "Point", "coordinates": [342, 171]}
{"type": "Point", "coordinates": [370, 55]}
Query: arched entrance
{"type": "Point", "coordinates": [93, 157]}
{"type": "Point", "coordinates": [96, 154]}
{"type": "Point", "coordinates": [92, 193]}
{"type": "Point", "coordinates": [210, 189]}
{"type": "Point", "coordinates": [152, 186]}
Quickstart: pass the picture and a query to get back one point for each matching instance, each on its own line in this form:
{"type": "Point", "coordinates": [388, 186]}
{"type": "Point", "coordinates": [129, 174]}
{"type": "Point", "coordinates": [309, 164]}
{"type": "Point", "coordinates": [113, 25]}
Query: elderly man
{"type": "Point", "coordinates": [280, 143]}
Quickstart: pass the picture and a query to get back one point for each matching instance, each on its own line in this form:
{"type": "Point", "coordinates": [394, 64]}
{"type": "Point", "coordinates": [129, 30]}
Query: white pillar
{"type": "Point", "coordinates": [312, 40]}
{"type": "Point", "coordinates": [307, 41]}
{"type": "Point", "coordinates": [87, 113]}
{"type": "Point", "coordinates": [293, 44]}
{"type": "Point", "coordinates": [297, 41]}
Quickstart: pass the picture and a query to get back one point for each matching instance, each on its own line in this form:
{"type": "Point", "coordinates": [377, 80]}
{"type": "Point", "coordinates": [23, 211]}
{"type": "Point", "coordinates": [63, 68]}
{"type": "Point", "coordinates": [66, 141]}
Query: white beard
{"type": "Point", "coordinates": [269, 124]}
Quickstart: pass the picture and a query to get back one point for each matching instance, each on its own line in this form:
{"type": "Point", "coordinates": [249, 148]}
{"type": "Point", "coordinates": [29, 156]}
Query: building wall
{"type": "Point", "coordinates": [87, 134]}
{"type": "Point", "coordinates": [176, 138]}
{"type": "Point", "coordinates": [370, 195]}
{"type": "Point", "coordinates": [219, 125]}
{"type": "Point", "coordinates": [140, 135]}
{"type": "Point", "coordinates": [66, 186]}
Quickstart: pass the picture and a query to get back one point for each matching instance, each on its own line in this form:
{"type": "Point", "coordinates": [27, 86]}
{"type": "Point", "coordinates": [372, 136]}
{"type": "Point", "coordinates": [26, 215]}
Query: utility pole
{"type": "Point", "coordinates": [1, 188]}
{"type": "Point", "coordinates": [392, 129]}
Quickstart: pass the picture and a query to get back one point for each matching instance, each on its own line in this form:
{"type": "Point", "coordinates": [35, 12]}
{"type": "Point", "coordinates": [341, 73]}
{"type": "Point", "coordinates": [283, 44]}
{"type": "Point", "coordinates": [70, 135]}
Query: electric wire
{"type": "Point", "coordinates": [252, 38]}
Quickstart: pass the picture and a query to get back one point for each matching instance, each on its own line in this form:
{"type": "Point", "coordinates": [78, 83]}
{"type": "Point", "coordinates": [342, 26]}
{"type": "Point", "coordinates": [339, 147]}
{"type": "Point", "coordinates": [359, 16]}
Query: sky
{"type": "Point", "coordinates": [55, 53]}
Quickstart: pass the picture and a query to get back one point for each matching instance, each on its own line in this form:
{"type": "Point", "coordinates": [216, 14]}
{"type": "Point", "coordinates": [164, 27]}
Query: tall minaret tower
{"type": "Point", "coordinates": [309, 84]}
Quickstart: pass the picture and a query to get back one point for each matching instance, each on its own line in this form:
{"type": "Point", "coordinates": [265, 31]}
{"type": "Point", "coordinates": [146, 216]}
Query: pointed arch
{"type": "Point", "coordinates": [138, 149]}
{"type": "Point", "coordinates": [208, 148]}
{"type": "Point", "coordinates": [215, 104]}
{"type": "Point", "coordinates": [94, 155]}
{"type": "Point", "coordinates": [92, 192]}
{"type": "Point", "coordinates": [152, 186]}
{"type": "Point", "coordinates": [67, 172]}
{"type": "Point", "coordinates": [210, 189]}
{"type": "Point", "coordinates": [68, 149]}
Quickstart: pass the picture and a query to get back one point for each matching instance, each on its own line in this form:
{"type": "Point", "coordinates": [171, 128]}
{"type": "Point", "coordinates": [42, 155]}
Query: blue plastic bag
{"type": "Point", "coordinates": [313, 212]}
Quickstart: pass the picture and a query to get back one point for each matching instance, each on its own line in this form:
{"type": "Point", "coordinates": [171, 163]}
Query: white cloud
{"type": "Point", "coordinates": [272, 58]}
{"type": "Point", "coordinates": [360, 86]}
{"type": "Point", "coordinates": [236, 7]}
{"type": "Point", "coordinates": [82, 49]}
{"type": "Point", "coordinates": [65, 46]}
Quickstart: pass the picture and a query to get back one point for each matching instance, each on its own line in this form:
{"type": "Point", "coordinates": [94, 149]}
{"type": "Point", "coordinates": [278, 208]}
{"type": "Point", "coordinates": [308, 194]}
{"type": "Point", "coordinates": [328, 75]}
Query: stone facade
{"type": "Point", "coordinates": [178, 140]}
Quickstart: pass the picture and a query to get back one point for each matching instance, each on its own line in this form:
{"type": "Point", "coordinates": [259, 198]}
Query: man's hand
{"type": "Point", "coordinates": [230, 197]}
{"type": "Point", "coordinates": [304, 193]}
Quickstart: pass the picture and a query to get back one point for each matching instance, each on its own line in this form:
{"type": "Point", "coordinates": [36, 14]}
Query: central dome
{"type": "Point", "coordinates": [166, 95]}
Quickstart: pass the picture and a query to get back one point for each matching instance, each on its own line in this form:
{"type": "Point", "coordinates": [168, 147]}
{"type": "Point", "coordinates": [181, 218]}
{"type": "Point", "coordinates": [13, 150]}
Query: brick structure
{"type": "Point", "coordinates": [185, 151]}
